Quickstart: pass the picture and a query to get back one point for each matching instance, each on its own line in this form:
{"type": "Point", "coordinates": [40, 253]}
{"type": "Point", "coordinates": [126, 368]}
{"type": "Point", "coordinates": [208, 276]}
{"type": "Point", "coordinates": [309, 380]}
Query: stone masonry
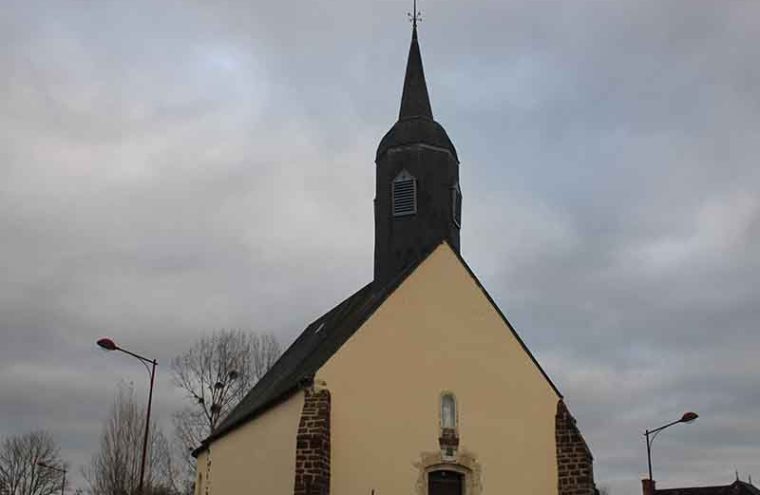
{"type": "Point", "coordinates": [575, 464]}
{"type": "Point", "coordinates": [313, 445]}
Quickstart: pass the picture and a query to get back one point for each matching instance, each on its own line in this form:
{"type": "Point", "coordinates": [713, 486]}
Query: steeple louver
{"type": "Point", "coordinates": [404, 192]}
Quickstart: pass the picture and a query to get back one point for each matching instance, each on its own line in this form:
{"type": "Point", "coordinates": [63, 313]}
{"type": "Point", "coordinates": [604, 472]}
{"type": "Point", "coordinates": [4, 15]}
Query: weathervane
{"type": "Point", "coordinates": [415, 16]}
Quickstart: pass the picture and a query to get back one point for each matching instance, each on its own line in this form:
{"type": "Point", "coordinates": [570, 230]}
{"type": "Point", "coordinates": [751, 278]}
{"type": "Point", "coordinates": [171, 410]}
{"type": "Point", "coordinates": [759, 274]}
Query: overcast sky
{"type": "Point", "coordinates": [168, 168]}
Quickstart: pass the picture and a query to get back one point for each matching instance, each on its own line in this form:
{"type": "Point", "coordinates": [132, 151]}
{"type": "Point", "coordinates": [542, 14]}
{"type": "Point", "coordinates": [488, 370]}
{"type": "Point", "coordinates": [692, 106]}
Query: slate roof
{"type": "Point", "coordinates": [302, 359]}
{"type": "Point", "coordinates": [319, 341]}
{"type": "Point", "coordinates": [735, 488]}
{"type": "Point", "coordinates": [316, 344]}
{"type": "Point", "coordinates": [415, 117]}
{"type": "Point", "coordinates": [416, 130]}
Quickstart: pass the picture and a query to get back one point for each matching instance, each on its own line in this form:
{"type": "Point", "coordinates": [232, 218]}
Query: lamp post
{"type": "Point", "coordinates": [688, 417]}
{"type": "Point", "coordinates": [54, 468]}
{"type": "Point", "coordinates": [110, 345]}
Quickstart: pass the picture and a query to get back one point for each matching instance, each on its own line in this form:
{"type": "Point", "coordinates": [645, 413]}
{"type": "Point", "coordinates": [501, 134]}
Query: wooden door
{"type": "Point", "coordinates": [445, 483]}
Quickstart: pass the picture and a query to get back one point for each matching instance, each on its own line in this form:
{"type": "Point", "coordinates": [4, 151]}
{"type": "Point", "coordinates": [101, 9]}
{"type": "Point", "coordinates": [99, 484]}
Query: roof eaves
{"type": "Point", "coordinates": [748, 487]}
{"type": "Point", "coordinates": [245, 419]}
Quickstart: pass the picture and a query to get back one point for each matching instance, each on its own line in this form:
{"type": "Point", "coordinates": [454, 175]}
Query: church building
{"type": "Point", "coordinates": [414, 385]}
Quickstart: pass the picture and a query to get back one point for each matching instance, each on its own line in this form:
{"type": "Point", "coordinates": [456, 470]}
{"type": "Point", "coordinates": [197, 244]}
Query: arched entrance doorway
{"type": "Point", "coordinates": [444, 482]}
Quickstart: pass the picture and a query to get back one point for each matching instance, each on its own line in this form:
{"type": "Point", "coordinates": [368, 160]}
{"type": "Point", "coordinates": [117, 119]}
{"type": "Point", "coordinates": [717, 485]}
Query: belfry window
{"type": "Point", "coordinates": [404, 194]}
{"type": "Point", "coordinates": [448, 411]}
{"type": "Point", "coordinates": [456, 205]}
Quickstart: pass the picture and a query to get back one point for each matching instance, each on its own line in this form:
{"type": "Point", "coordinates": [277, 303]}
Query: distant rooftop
{"type": "Point", "coordinates": [736, 488]}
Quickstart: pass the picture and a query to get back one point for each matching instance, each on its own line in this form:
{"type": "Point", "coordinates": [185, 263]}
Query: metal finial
{"type": "Point", "coordinates": [415, 16]}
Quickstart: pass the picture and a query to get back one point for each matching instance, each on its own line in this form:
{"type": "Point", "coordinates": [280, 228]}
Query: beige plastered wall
{"type": "Point", "coordinates": [258, 457]}
{"type": "Point", "coordinates": [437, 332]}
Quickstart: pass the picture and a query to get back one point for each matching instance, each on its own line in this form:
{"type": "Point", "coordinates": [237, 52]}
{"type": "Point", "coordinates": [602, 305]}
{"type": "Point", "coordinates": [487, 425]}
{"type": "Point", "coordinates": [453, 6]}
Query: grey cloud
{"type": "Point", "coordinates": [167, 170]}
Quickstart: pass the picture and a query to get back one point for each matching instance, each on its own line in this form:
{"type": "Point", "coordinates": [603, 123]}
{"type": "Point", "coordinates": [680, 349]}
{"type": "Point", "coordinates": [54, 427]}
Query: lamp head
{"type": "Point", "coordinates": [107, 344]}
{"type": "Point", "coordinates": [689, 417]}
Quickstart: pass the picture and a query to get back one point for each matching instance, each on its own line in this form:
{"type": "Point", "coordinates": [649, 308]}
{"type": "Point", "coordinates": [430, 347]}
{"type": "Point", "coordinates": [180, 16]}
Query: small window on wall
{"type": "Point", "coordinates": [448, 412]}
{"type": "Point", "coordinates": [456, 205]}
{"type": "Point", "coordinates": [404, 194]}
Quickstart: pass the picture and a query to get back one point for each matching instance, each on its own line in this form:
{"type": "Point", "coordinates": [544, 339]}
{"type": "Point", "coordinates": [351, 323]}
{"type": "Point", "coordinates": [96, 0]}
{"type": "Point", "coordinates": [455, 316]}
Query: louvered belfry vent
{"type": "Point", "coordinates": [456, 205]}
{"type": "Point", "coordinates": [404, 194]}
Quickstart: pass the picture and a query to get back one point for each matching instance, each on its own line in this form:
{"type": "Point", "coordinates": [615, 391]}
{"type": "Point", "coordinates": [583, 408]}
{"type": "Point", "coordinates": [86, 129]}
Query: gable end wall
{"type": "Point", "coordinates": [438, 332]}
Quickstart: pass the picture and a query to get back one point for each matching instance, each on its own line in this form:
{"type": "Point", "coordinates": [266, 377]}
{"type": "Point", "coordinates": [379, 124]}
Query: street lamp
{"type": "Point", "coordinates": [688, 417]}
{"type": "Point", "coordinates": [110, 345]}
{"type": "Point", "coordinates": [54, 468]}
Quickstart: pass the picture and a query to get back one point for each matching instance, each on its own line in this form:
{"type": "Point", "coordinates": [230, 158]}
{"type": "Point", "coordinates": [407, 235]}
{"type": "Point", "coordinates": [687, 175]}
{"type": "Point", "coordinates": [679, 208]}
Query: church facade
{"type": "Point", "coordinates": [416, 384]}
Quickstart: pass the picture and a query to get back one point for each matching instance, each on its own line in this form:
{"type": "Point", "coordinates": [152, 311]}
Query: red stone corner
{"type": "Point", "coordinates": [313, 445]}
{"type": "Point", "coordinates": [575, 464]}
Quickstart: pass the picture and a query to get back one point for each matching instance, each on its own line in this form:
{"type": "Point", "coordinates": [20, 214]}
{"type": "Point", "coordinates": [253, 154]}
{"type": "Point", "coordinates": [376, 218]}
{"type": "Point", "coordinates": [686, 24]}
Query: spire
{"type": "Point", "coordinates": [414, 99]}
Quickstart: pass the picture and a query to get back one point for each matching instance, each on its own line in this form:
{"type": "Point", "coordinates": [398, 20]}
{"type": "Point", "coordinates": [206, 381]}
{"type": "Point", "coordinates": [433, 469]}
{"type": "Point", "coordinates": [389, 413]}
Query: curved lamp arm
{"type": "Point", "coordinates": [688, 417]}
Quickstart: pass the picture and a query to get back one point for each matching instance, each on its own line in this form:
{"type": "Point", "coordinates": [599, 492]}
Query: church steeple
{"type": "Point", "coordinates": [418, 200]}
{"type": "Point", "coordinates": [415, 101]}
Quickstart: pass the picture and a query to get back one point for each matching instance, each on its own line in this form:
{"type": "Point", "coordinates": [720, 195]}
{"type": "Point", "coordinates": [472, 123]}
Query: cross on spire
{"type": "Point", "coordinates": [415, 16]}
{"type": "Point", "coordinates": [414, 97]}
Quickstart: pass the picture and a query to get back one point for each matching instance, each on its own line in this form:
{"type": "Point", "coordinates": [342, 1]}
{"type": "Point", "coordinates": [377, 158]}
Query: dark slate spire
{"type": "Point", "coordinates": [414, 100]}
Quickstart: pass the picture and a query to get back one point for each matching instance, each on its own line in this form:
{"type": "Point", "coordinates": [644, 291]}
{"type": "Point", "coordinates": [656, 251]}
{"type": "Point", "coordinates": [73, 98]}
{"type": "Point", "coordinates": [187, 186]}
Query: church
{"type": "Point", "coordinates": [416, 384]}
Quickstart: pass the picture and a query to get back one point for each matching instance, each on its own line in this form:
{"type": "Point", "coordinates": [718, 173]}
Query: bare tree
{"type": "Point", "coordinates": [115, 468]}
{"type": "Point", "coordinates": [20, 472]}
{"type": "Point", "coordinates": [216, 373]}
